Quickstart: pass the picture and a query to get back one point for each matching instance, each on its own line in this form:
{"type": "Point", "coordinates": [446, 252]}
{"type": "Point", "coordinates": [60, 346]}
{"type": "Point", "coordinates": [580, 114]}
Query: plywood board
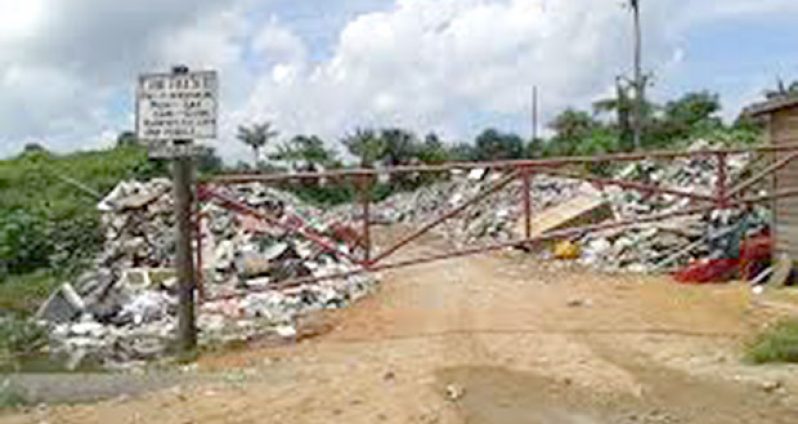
{"type": "Point", "coordinates": [581, 210]}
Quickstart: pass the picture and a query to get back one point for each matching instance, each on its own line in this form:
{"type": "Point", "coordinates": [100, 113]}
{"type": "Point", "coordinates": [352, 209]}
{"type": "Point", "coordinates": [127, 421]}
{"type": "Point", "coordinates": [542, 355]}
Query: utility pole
{"type": "Point", "coordinates": [534, 113]}
{"type": "Point", "coordinates": [639, 82]}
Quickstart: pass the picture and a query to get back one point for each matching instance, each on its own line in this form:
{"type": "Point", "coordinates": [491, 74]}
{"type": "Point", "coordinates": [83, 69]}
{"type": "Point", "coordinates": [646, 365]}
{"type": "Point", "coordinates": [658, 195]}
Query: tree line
{"type": "Point", "coordinates": [604, 129]}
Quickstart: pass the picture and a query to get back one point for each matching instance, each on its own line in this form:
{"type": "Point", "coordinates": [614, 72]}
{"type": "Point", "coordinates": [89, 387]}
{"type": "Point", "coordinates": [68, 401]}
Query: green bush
{"type": "Point", "coordinates": [22, 294]}
{"type": "Point", "coordinates": [48, 216]}
{"type": "Point", "coordinates": [337, 194]}
{"type": "Point", "coordinates": [11, 396]}
{"type": "Point", "coordinates": [777, 344]}
{"type": "Point", "coordinates": [20, 336]}
{"type": "Point", "coordinates": [25, 244]}
{"type": "Point", "coordinates": [49, 223]}
{"type": "Point", "coordinates": [76, 240]}
{"type": "Point", "coordinates": [329, 195]}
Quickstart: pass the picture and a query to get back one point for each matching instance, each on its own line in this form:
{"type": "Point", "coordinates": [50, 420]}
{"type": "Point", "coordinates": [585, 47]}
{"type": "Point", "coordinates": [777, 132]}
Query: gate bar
{"type": "Point", "coordinates": [418, 233]}
{"type": "Point", "coordinates": [745, 185]}
{"type": "Point", "coordinates": [568, 232]}
{"type": "Point", "coordinates": [498, 165]}
{"type": "Point", "coordinates": [527, 202]}
{"type": "Point", "coordinates": [642, 187]}
{"type": "Point", "coordinates": [238, 207]}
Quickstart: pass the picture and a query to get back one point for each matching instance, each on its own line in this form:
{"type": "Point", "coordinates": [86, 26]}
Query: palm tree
{"type": "Point", "coordinates": [306, 153]}
{"type": "Point", "coordinates": [257, 137]}
{"type": "Point", "coordinates": [782, 90]}
{"type": "Point", "coordinates": [622, 106]}
{"type": "Point", "coordinates": [400, 146]}
{"type": "Point", "coordinates": [366, 145]}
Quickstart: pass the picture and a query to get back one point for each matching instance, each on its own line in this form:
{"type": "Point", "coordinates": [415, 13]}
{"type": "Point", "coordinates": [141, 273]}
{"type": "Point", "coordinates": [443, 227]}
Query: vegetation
{"type": "Point", "coordinates": [783, 90]}
{"type": "Point", "coordinates": [22, 294]}
{"type": "Point", "coordinates": [257, 137]}
{"type": "Point", "coordinates": [605, 130]}
{"type": "Point", "coordinates": [49, 225]}
{"type": "Point", "coordinates": [19, 336]}
{"type": "Point", "coordinates": [777, 344]}
{"type": "Point", "coordinates": [306, 153]}
{"type": "Point", "coordinates": [11, 396]}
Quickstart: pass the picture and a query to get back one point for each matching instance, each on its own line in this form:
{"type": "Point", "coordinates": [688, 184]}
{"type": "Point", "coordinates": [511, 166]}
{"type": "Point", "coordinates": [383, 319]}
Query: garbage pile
{"type": "Point", "coordinates": [123, 312]}
{"type": "Point", "coordinates": [492, 219]}
{"type": "Point", "coordinates": [676, 241]}
{"type": "Point", "coordinates": [560, 202]}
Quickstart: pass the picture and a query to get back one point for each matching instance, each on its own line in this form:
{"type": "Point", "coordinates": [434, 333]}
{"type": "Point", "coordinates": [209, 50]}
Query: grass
{"type": "Point", "coordinates": [49, 222]}
{"type": "Point", "coordinates": [20, 336]}
{"type": "Point", "coordinates": [31, 180]}
{"type": "Point", "coordinates": [778, 344]}
{"type": "Point", "coordinates": [22, 294]}
{"type": "Point", "coordinates": [11, 396]}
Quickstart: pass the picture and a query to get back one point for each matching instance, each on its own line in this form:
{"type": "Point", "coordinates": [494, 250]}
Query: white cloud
{"type": "Point", "coordinates": [20, 19]}
{"type": "Point", "coordinates": [431, 65]}
{"type": "Point", "coordinates": [66, 71]}
{"type": "Point", "coordinates": [69, 59]}
{"type": "Point", "coordinates": [733, 8]}
{"type": "Point", "coordinates": [276, 43]}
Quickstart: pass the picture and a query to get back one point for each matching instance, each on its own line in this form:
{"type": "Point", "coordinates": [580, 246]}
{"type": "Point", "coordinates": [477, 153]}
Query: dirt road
{"type": "Point", "coordinates": [491, 339]}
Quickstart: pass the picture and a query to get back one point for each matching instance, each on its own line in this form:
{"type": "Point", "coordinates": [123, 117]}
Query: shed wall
{"type": "Point", "coordinates": [784, 130]}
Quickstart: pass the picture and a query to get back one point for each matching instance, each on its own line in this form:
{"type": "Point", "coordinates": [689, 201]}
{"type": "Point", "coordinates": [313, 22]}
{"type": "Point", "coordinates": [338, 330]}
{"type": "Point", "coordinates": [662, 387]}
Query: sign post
{"type": "Point", "coordinates": [182, 181]}
{"type": "Point", "coordinates": [172, 110]}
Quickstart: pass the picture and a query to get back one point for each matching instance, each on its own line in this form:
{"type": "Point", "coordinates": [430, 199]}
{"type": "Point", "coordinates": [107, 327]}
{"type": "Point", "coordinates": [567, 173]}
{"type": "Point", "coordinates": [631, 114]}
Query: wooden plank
{"type": "Point", "coordinates": [787, 205]}
{"type": "Point", "coordinates": [788, 239]}
{"type": "Point", "coordinates": [781, 270]}
{"type": "Point", "coordinates": [785, 117]}
{"type": "Point", "coordinates": [583, 209]}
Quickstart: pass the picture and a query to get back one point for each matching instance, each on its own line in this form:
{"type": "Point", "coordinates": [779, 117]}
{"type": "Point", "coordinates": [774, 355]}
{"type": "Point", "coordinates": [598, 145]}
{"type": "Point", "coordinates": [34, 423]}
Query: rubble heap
{"type": "Point", "coordinates": [674, 241]}
{"type": "Point", "coordinates": [640, 248]}
{"type": "Point", "coordinates": [124, 310]}
{"type": "Point", "coordinates": [491, 219]}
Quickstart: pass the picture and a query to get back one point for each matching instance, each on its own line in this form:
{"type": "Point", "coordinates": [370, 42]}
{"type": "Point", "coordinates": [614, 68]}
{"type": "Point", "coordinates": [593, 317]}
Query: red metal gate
{"type": "Point", "coordinates": [725, 196]}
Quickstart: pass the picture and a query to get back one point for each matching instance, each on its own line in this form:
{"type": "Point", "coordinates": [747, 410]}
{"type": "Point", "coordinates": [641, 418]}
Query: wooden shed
{"type": "Point", "coordinates": [781, 116]}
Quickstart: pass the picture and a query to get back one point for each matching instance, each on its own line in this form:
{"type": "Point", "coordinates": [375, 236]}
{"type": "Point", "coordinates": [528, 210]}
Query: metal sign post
{"type": "Point", "coordinates": [172, 110]}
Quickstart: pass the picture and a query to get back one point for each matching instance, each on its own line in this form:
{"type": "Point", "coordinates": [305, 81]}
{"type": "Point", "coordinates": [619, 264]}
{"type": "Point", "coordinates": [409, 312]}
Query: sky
{"type": "Point", "coordinates": [68, 67]}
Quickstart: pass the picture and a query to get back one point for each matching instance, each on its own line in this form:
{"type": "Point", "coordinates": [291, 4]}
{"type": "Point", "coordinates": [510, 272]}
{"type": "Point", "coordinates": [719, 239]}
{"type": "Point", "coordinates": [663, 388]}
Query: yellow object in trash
{"type": "Point", "coordinates": [567, 250]}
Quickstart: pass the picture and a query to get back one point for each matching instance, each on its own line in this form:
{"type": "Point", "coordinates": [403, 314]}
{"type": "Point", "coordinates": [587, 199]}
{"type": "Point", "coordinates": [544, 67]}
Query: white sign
{"type": "Point", "coordinates": [177, 106]}
{"type": "Point", "coordinates": [171, 151]}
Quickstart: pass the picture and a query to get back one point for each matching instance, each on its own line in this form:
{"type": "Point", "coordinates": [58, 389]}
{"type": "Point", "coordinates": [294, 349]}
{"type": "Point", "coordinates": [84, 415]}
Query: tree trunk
{"type": "Point", "coordinates": [256, 156]}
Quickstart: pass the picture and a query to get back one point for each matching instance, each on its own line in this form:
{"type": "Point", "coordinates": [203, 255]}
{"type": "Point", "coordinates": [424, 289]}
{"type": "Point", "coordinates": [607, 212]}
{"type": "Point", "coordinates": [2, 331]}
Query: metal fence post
{"type": "Point", "coordinates": [722, 177]}
{"type": "Point", "coordinates": [525, 173]}
{"type": "Point", "coordinates": [198, 237]}
{"type": "Point", "coordinates": [365, 200]}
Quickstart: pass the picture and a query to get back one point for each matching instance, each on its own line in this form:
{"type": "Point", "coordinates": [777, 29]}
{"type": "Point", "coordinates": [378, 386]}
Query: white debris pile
{"type": "Point", "coordinates": [673, 241]}
{"type": "Point", "coordinates": [124, 310]}
{"type": "Point", "coordinates": [559, 203]}
{"type": "Point", "coordinates": [493, 218]}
